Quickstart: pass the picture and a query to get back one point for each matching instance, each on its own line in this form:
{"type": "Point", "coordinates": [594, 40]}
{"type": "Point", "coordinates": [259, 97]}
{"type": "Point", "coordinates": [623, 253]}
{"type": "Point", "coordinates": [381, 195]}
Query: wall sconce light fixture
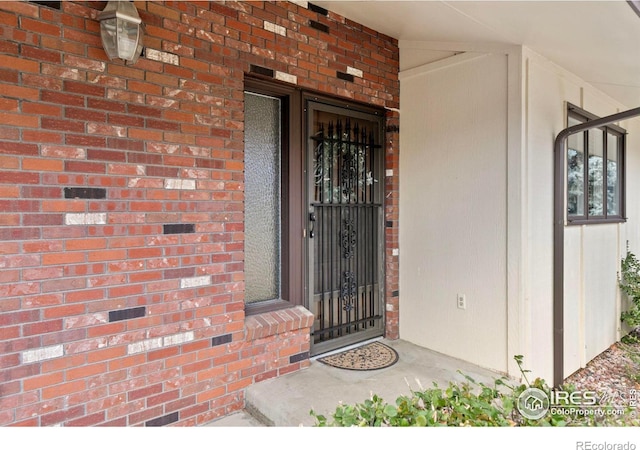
{"type": "Point", "coordinates": [121, 30]}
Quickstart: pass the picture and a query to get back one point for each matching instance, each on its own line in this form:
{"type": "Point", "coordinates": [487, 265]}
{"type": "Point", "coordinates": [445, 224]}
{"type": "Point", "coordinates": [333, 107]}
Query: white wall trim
{"type": "Point", "coordinates": [440, 64]}
{"type": "Point", "coordinates": [518, 324]}
{"type": "Point", "coordinates": [479, 47]}
{"type": "Point", "coordinates": [619, 269]}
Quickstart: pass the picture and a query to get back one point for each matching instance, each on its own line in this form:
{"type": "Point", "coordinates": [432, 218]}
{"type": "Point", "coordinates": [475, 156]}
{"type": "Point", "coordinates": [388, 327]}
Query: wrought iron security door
{"type": "Point", "coordinates": [345, 225]}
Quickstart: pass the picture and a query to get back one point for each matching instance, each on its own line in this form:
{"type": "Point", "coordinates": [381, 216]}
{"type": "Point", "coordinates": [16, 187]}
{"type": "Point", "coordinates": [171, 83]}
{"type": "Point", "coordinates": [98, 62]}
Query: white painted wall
{"type": "Point", "coordinates": [476, 211]}
{"type": "Point", "coordinates": [592, 252]}
{"type": "Point", "coordinates": [453, 207]}
{"type": "Point", "coordinates": [546, 95]}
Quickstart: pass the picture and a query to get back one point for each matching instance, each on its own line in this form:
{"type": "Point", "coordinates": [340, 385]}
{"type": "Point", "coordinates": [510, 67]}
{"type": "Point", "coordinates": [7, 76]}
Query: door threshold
{"type": "Point", "coordinates": [348, 347]}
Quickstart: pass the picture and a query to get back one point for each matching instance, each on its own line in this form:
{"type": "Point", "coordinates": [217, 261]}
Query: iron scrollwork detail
{"type": "Point", "coordinates": [348, 290]}
{"type": "Point", "coordinates": [348, 238]}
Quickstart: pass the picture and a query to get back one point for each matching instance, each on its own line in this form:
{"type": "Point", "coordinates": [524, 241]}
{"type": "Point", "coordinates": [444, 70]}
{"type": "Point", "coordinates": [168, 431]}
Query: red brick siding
{"type": "Point", "coordinates": [69, 117]}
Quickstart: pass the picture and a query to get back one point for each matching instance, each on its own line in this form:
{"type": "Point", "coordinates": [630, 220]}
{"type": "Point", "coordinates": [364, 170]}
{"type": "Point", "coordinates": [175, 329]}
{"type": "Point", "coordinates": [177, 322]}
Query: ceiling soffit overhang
{"type": "Point", "coordinates": [599, 41]}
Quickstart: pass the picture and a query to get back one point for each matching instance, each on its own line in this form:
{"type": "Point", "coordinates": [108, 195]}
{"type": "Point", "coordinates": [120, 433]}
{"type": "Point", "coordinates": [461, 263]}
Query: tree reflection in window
{"type": "Point", "coordinates": [594, 189]}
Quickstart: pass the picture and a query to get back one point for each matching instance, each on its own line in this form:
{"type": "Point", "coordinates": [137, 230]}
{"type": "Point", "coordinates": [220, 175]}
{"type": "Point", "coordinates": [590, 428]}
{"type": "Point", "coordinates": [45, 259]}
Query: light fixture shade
{"type": "Point", "coordinates": [121, 30]}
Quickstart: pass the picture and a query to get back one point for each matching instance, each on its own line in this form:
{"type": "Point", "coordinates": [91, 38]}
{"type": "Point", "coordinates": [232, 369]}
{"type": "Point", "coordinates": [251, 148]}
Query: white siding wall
{"type": "Point", "coordinates": [453, 208]}
{"type": "Point", "coordinates": [476, 213]}
{"type": "Point", "coordinates": [592, 252]}
{"type": "Point", "coordinates": [546, 95]}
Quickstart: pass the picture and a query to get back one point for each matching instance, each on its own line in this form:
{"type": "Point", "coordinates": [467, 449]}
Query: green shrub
{"type": "Point", "coordinates": [470, 403]}
{"type": "Point", "coordinates": [630, 285]}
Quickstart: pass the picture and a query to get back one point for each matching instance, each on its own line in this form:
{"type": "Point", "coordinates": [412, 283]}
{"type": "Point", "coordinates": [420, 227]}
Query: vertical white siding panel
{"type": "Point", "coordinates": [457, 222]}
{"type": "Point", "coordinates": [596, 103]}
{"type": "Point", "coordinates": [453, 198]}
{"type": "Point", "coordinates": [546, 117]}
{"type": "Point", "coordinates": [600, 267]}
{"type": "Point", "coordinates": [592, 252]}
{"type": "Point", "coordinates": [574, 340]}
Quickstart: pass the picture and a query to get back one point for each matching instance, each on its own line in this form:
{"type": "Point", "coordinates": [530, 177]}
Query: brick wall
{"type": "Point", "coordinates": [121, 206]}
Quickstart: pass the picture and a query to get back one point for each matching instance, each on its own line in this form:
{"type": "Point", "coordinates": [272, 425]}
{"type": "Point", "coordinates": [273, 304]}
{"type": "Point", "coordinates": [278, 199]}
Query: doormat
{"type": "Point", "coordinates": [372, 356]}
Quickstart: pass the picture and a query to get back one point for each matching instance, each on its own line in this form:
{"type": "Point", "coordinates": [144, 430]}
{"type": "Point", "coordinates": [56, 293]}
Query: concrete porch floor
{"type": "Point", "coordinates": [287, 400]}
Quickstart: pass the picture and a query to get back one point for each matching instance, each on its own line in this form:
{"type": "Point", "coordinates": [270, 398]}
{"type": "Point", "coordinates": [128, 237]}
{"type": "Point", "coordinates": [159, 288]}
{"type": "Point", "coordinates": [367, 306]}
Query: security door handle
{"type": "Point", "coordinates": [312, 219]}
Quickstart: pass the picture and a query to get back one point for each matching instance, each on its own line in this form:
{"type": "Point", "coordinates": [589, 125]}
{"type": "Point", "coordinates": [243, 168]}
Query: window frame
{"type": "Point", "coordinates": [583, 116]}
{"type": "Point", "coordinates": [292, 195]}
